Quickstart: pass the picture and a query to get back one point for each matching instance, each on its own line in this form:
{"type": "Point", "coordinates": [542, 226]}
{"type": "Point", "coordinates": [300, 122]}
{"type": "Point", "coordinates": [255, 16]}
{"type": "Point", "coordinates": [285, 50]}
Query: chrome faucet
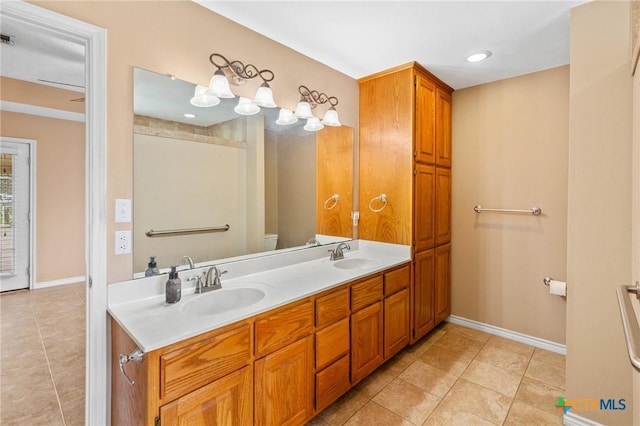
{"type": "Point", "coordinates": [212, 280]}
{"type": "Point", "coordinates": [312, 242]}
{"type": "Point", "coordinates": [187, 259]}
{"type": "Point", "coordinates": [337, 253]}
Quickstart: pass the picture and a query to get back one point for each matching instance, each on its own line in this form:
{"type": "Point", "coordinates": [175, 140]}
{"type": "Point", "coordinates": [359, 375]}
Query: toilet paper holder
{"type": "Point", "coordinates": [547, 281]}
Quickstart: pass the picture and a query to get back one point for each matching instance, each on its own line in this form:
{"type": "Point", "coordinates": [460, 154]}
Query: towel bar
{"type": "Point", "coordinates": [533, 210]}
{"type": "Point", "coordinates": [175, 232]}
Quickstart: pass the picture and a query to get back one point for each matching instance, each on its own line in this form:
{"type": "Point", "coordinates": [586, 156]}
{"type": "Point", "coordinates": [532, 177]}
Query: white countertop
{"type": "Point", "coordinates": [139, 305]}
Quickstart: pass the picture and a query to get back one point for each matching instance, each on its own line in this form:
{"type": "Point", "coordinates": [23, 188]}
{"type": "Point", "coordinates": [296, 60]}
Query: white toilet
{"type": "Point", "coordinates": [270, 241]}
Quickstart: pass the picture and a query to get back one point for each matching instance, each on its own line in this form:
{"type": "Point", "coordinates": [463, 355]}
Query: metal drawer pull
{"type": "Point", "coordinates": [629, 322]}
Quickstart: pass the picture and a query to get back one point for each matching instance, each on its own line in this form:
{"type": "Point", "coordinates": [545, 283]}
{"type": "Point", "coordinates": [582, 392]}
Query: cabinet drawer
{"type": "Point", "coordinates": [332, 382]}
{"type": "Point", "coordinates": [280, 328]}
{"type": "Point", "coordinates": [365, 293]}
{"type": "Point", "coordinates": [332, 308]}
{"type": "Point", "coordinates": [332, 342]}
{"type": "Point", "coordinates": [395, 281]}
{"type": "Point", "coordinates": [193, 366]}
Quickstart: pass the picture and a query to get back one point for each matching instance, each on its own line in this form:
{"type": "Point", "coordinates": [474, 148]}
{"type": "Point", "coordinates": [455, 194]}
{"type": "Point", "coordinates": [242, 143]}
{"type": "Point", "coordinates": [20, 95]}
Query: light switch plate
{"type": "Point", "coordinates": [123, 210]}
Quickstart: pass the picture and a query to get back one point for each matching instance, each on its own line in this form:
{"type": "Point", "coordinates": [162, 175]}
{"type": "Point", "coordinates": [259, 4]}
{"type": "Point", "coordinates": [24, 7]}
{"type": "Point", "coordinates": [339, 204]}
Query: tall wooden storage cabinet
{"type": "Point", "coordinates": [405, 179]}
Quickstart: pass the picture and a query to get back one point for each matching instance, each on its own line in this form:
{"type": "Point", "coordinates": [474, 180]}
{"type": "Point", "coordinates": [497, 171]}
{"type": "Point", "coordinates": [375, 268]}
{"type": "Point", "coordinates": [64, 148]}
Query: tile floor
{"type": "Point", "coordinates": [42, 356]}
{"type": "Point", "coordinates": [457, 376]}
{"type": "Point", "coordinates": [454, 376]}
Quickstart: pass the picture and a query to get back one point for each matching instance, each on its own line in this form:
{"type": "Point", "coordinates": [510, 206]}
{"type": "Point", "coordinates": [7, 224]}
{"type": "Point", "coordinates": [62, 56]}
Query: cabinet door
{"type": "Point", "coordinates": [425, 201]}
{"type": "Point", "coordinates": [443, 282]}
{"type": "Point", "coordinates": [443, 206]}
{"type": "Point", "coordinates": [423, 314]}
{"type": "Point", "coordinates": [396, 323]}
{"type": "Point", "coordinates": [226, 401]}
{"type": "Point", "coordinates": [284, 385]}
{"type": "Point", "coordinates": [443, 128]}
{"type": "Point", "coordinates": [425, 120]}
{"type": "Point", "coordinates": [366, 341]}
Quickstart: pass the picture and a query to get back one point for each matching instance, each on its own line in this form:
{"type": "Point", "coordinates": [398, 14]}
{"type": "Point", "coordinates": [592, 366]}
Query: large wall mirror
{"type": "Point", "coordinates": [276, 187]}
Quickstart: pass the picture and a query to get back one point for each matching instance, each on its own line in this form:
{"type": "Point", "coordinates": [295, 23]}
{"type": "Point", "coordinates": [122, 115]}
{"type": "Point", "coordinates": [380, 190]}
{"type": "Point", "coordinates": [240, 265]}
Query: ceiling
{"type": "Point", "coordinates": [356, 38]}
{"type": "Point", "coordinates": [359, 38]}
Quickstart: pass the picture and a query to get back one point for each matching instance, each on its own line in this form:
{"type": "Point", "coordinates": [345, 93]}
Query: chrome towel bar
{"type": "Point", "coordinates": [533, 210]}
{"type": "Point", "coordinates": [629, 322]}
{"type": "Point", "coordinates": [191, 231]}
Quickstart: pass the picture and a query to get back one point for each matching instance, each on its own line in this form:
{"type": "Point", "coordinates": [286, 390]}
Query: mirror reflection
{"type": "Point", "coordinates": [211, 184]}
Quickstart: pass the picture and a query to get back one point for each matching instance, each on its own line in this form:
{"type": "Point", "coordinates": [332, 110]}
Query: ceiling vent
{"type": "Point", "coordinates": [8, 39]}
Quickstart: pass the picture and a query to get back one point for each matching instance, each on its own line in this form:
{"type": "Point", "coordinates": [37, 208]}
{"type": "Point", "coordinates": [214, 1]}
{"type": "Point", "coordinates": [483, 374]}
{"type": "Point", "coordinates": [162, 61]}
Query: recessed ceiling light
{"type": "Point", "coordinates": [190, 115]}
{"type": "Point", "coordinates": [479, 56]}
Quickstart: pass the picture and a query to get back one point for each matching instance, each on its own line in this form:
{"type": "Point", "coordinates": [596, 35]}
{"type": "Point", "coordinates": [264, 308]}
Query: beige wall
{"type": "Point", "coordinates": [599, 209]}
{"type": "Point", "coordinates": [177, 37]}
{"type": "Point", "coordinates": [510, 142]}
{"type": "Point", "coordinates": [60, 151]}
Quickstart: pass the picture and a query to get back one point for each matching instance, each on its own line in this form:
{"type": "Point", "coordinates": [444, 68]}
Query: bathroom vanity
{"type": "Point", "coordinates": [285, 337]}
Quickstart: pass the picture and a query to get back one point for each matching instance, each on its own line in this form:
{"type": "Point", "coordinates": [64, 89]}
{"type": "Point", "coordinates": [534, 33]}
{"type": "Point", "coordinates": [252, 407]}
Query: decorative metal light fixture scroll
{"type": "Point", "coordinates": [311, 99]}
{"type": "Point", "coordinates": [236, 73]}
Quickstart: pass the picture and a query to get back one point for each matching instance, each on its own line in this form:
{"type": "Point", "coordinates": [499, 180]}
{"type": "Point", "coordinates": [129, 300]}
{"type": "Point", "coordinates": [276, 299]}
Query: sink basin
{"type": "Point", "coordinates": [223, 300]}
{"type": "Point", "coordinates": [355, 263]}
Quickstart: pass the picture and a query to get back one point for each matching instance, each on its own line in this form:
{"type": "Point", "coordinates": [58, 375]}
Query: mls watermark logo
{"type": "Point", "coordinates": [590, 404]}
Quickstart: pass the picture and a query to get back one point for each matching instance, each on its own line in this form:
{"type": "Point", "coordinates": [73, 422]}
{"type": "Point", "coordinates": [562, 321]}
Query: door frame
{"type": "Point", "coordinates": [31, 143]}
{"type": "Point", "coordinates": [97, 385]}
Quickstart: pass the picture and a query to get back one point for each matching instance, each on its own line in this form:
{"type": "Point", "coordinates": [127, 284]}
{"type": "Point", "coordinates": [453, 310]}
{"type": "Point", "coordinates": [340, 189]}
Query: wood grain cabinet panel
{"type": "Point", "coordinates": [423, 302]}
{"type": "Point", "coordinates": [331, 343]}
{"type": "Point", "coordinates": [334, 175]}
{"type": "Point", "coordinates": [443, 206]}
{"type": "Point", "coordinates": [284, 385]}
{"type": "Point", "coordinates": [332, 307]}
{"type": "Point", "coordinates": [282, 327]}
{"type": "Point", "coordinates": [396, 323]}
{"type": "Point", "coordinates": [366, 341]}
{"type": "Point", "coordinates": [366, 293]}
{"type": "Point", "coordinates": [332, 382]}
{"type": "Point", "coordinates": [443, 282]}
{"type": "Point", "coordinates": [190, 367]}
{"type": "Point", "coordinates": [443, 128]}
{"type": "Point", "coordinates": [425, 120]}
{"type": "Point", "coordinates": [425, 207]}
{"type": "Point", "coordinates": [226, 401]}
{"type": "Point", "coordinates": [396, 280]}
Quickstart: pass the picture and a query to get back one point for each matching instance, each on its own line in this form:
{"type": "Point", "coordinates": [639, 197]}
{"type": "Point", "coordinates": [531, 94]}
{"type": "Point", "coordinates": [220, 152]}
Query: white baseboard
{"type": "Point", "coordinates": [572, 419]}
{"type": "Point", "coordinates": [63, 281]}
{"type": "Point", "coordinates": [508, 334]}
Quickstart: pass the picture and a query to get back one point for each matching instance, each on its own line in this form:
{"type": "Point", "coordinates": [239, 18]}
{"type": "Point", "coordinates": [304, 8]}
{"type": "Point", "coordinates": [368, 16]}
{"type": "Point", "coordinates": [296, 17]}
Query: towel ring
{"type": "Point", "coordinates": [334, 198]}
{"type": "Point", "coordinates": [383, 200]}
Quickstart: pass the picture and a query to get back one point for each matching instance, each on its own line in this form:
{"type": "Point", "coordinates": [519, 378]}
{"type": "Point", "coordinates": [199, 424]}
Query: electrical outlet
{"type": "Point", "coordinates": [123, 242]}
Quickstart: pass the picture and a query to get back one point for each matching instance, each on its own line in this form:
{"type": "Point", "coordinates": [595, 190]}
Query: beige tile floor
{"type": "Point", "coordinates": [42, 356]}
{"type": "Point", "coordinates": [457, 376]}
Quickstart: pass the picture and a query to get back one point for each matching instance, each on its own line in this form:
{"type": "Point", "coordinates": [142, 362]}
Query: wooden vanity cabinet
{"type": "Point", "coordinates": [332, 347]}
{"type": "Point", "coordinates": [284, 370]}
{"type": "Point", "coordinates": [397, 310]}
{"type": "Point", "coordinates": [280, 367]}
{"type": "Point", "coordinates": [405, 153]}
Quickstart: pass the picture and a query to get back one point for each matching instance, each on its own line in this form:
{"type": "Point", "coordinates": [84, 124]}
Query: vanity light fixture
{"type": "Point", "coordinates": [286, 117]}
{"type": "Point", "coordinates": [479, 56]}
{"type": "Point", "coordinates": [236, 72]}
{"type": "Point", "coordinates": [203, 98]}
{"type": "Point", "coordinates": [313, 125]}
{"type": "Point", "coordinates": [246, 107]}
{"type": "Point", "coordinates": [309, 100]}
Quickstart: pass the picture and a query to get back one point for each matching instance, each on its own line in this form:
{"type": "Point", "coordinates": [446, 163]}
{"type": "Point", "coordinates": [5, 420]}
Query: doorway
{"type": "Point", "coordinates": [94, 40]}
{"type": "Point", "coordinates": [16, 204]}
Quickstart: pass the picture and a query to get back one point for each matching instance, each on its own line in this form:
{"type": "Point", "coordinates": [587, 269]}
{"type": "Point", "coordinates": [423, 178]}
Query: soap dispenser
{"type": "Point", "coordinates": [152, 267]}
{"type": "Point", "coordinates": [173, 287]}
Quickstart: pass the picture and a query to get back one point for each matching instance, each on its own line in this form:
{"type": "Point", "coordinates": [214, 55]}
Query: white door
{"type": "Point", "coordinates": [15, 226]}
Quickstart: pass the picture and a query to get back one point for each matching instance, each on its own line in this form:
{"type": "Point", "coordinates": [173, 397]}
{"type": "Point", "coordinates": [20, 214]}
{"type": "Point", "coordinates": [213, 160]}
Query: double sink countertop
{"type": "Point", "coordinates": [250, 287]}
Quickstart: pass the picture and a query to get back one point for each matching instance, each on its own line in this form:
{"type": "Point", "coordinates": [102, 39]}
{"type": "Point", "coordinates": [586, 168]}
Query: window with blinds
{"type": "Point", "coordinates": [7, 203]}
